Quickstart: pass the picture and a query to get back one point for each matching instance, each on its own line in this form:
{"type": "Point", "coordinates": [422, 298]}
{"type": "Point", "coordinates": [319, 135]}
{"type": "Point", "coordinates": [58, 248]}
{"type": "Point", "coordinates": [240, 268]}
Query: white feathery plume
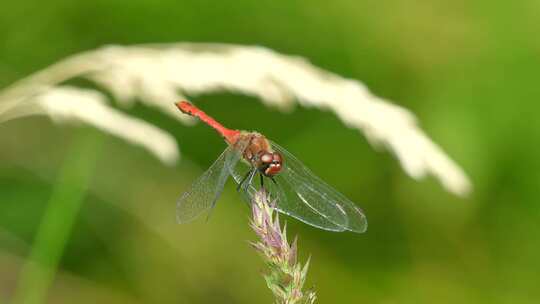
{"type": "Point", "coordinates": [65, 103]}
{"type": "Point", "coordinates": [158, 74]}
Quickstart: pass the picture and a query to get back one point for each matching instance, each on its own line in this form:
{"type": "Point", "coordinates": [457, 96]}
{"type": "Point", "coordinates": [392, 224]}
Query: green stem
{"type": "Point", "coordinates": [68, 194]}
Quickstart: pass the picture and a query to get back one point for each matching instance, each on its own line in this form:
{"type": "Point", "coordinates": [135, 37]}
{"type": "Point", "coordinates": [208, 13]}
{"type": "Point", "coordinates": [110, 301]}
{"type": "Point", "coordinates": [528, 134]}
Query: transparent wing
{"type": "Point", "coordinates": [301, 206]}
{"type": "Point", "coordinates": [306, 197]}
{"type": "Point", "coordinates": [205, 191]}
{"type": "Point", "coordinates": [304, 190]}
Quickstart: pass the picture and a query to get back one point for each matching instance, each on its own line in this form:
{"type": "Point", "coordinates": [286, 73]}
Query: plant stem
{"type": "Point", "coordinates": [68, 194]}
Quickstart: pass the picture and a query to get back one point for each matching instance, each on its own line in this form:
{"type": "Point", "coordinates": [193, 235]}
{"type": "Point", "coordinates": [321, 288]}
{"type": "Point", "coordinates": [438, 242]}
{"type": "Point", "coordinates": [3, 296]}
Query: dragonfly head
{"type": "Point", "coordinates": [271, 163]}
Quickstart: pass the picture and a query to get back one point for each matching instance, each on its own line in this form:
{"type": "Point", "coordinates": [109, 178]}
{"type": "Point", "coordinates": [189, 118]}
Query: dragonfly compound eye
{"type": "Point", "coordinates": [272, 169]}
{"type": "Point", "coordinates": [267, 158]}
{"type": "Point", "coordinates": [275, 165]}
{"type": "Point", "coordinates": [276, 158]}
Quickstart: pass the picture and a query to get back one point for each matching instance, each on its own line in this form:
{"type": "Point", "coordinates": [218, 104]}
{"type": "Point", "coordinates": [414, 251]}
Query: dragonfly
{"type": "Point", "coordinates": [297, 192]}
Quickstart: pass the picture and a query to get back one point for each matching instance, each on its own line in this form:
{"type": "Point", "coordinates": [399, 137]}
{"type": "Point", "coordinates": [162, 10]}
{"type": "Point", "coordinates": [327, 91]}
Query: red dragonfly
{"type": "Point", "coordinates": [297, 191]}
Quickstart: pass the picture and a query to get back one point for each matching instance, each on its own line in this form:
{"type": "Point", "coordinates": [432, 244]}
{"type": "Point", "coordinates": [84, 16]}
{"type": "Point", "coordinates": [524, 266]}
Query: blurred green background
{"type": "Point", "coordinates": [468, 69]}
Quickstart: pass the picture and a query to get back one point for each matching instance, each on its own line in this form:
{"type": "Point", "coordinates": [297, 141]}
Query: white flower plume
{"type": "Point", "coordinates": [65, 103]}
{"type": "Point", "coordinates": [158, 75]}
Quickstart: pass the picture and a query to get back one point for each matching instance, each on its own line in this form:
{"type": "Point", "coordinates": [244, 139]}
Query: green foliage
{"type": "Point", "coordinates": [47, 249]}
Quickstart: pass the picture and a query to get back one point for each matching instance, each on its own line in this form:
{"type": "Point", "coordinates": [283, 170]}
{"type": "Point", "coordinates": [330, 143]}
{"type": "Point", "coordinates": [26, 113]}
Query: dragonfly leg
{"type": "Point", "coordinates": [262, 181]}
{"type": "Point", "coordinates": [250, 178]}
